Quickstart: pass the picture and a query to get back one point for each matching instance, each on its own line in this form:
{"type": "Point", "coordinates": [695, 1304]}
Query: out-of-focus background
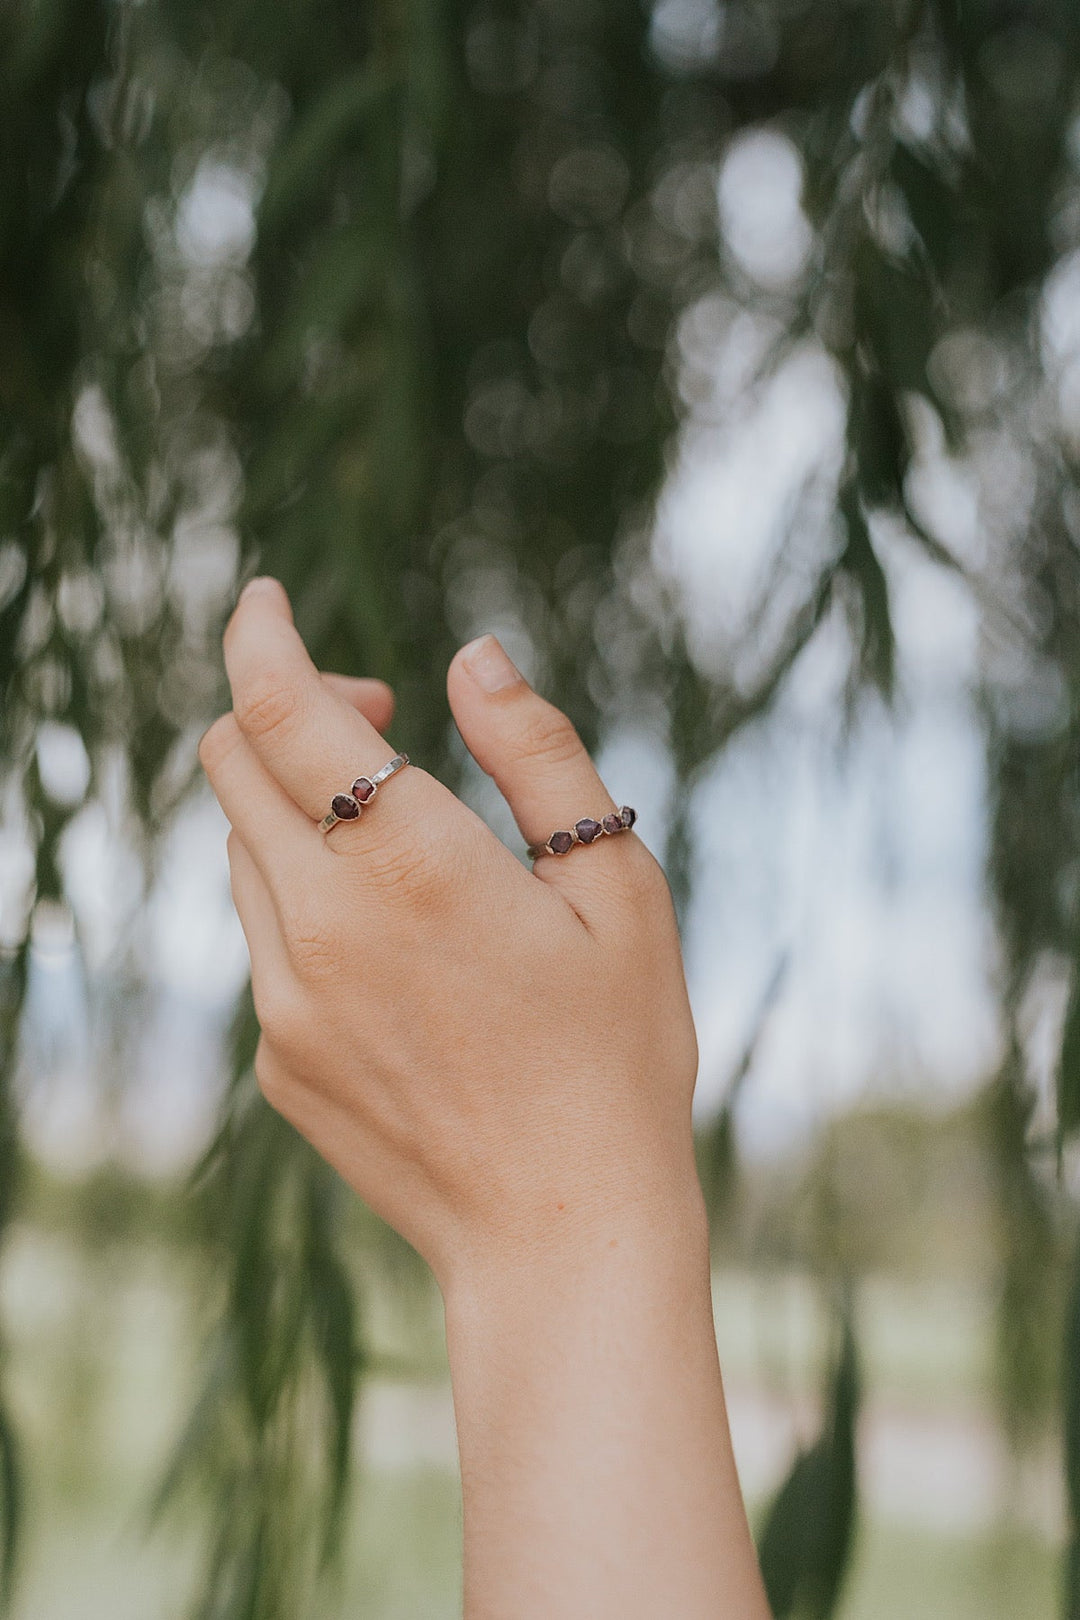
{"type": "Point", "coordinates": [723, 356]}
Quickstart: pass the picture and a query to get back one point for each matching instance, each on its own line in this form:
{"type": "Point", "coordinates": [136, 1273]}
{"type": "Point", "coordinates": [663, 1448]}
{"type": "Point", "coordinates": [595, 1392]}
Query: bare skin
{"type": "Point", "coordinates": [501, 1063]}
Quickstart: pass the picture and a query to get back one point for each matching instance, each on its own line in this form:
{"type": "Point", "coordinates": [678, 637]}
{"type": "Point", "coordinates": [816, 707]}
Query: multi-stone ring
{"type": "Point", "coordinates": [347, 806]}
{"type": "Point", "coordinates": [585, 831]}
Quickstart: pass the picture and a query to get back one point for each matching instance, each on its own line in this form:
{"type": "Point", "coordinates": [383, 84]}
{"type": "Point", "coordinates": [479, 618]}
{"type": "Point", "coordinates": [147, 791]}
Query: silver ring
{"type": "Point", "coordinates": [347, 806]}
{"type": "Point", "coordinates": [585, 831]}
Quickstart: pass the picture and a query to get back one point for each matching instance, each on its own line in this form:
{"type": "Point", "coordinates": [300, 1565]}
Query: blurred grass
{"type": "Point", "coordinates": [405, 1565]}
{"type": "Point", "coordinates": [926, 1343]}
{"type": "Point", "coordinates": [1007, 1575]}
{"type": "Point", "coordinates": [101, 1359]}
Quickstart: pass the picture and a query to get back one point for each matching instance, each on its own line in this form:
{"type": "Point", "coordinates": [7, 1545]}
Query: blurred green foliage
{"type": "Point", "coordinates": [393, 292]}
{"type": "Point", "coordinates": [806, 1542]}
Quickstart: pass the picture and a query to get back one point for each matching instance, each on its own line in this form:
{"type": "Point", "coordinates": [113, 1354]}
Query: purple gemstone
{"type": "Point", "coordinates": [344, 807]}
{"type": "Point", "coordinates": [612, 822]}
{"type": "Point", "coordinates": [560, 842]}
{"type": "Point", "coordinates": [363, 788]}
{"type": "Point", "coordinates": [587, 829]}
{"type": "Point", "coordinates": [627, 816]}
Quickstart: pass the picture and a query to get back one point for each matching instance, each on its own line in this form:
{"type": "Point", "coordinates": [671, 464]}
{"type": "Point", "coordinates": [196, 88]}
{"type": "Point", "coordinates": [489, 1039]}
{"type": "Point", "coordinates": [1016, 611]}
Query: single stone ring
{"type": "Point", "coordinates": [585, 831]}
{"type": "Point", "coordinates": [347, 806]}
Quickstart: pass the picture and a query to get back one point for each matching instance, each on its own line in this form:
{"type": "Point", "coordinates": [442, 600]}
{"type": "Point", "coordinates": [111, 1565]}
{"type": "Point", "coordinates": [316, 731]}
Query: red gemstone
{"type": "Point", "coordinates": [627, 816]}
{"type": "Point", "coordinates": [560, 842]}
{"type": "Point", "coordinates": [363, 788]}
{"type": "Point", "coordinates": [587, 829]}
{"type": "Point", "coordinates": [344, 807]}
{"type": "Point", "coordinates": [612, 822]}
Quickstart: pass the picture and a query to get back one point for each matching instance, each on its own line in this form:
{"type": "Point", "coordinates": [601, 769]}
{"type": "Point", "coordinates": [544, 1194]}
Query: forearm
{"type": "Point", "coordinates": [597, 1469]}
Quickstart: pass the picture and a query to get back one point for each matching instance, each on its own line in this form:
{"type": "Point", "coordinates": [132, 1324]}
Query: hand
{"type": "Point", "coordinates": [501, 1062]}
{"type": "Point", "coordinates": [494, 1058]}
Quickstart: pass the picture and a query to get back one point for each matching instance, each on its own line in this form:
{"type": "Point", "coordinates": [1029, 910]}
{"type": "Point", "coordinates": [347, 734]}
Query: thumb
{"type": "Point", "coordinates": [531, 751]}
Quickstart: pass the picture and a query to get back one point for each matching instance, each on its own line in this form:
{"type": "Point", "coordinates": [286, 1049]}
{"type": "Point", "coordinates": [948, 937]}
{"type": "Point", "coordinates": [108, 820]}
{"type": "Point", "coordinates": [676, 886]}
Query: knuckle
{"type": "Point", "coordinates": [413, 854]}
{"type": "Point", "coordinates": [309, 938]}
{"type": "Point", "coordinates": [649, 887]}
{"type": "Point", "coordinates": [650, 879]}
{"type": "Point", "coordinates": [280, 1086]}
{"type": "Point", "coordinates": [266, 705]}
{"type": "Point", "coordinates": [271, 1076]}
{"type": "Point", "coordinates": [232, 845]}
{"type": "Point", "coordinates": [408, 864]}
{"type": "Point", "coordinates": [314, 954]}
{"type": "Point", "coordinates": [281, 1019]}
{"type": "Point", "coordinates": [639, 888]}
{"type": "Point", "coordinates": [547, 736]}
{"type": "Point", "coordinates": [218, 742]}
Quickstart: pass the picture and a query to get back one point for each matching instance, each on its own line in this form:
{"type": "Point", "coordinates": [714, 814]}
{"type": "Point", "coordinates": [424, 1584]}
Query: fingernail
{"type": "Point", "coordinates": [259, 585]}
{"type": "Point", "coordinates": [489, 666]}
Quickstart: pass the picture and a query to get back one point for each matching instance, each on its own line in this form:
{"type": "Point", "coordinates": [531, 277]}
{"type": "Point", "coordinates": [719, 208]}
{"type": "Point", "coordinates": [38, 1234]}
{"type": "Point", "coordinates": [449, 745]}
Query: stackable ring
{"type": "Point", "coordinates": [585, 831]}
{"type": "Point", "coordinates": [347, 806]}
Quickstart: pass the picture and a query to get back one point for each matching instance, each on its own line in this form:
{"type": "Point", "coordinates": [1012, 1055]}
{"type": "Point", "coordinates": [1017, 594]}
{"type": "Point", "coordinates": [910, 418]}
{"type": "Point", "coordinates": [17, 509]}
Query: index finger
{"type": "Point", "coordinates": [307, 735]}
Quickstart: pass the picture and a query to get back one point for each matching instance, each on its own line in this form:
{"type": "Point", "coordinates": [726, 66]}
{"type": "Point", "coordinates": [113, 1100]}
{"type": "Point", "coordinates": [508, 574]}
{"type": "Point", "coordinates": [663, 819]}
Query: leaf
{"type": "Point", "coordinates": [1071, 1403]}
{"type": "Point", "coordinates": [333, 1312]}
{"type": "Point", "coordinates": [256, 1164]}
{"type": "Point", "coordinates": [11, 1509]}
{"type": "Point", "coordinates": [879, 440]}
{"type": "Point", "coordinates": [345, 278]}
{"type": "Point", "coordinates": [805, 1547]}
{"type": "Point", "coordinates": [199, 1432]}
{"type": "Point", "coordinates": [932, 204]}
{"type": "Point", "coordinates": [897, 316]}
{"type": "Point", "coordinates": [1068, 1075]}
{"type": "Point", "coordinates": [859, 563]}
{"type": "Point", "coordinates": [718, 1149]}
{"type": "Point", "coordinates": [342, 109]}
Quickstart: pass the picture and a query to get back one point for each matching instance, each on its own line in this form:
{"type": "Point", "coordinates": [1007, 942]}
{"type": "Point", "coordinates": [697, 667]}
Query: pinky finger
{"type": "Point", "coordinates": [272, 978]}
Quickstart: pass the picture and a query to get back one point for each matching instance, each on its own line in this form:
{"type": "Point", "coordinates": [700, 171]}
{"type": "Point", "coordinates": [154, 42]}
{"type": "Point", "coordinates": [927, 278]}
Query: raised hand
{"type": "Point", "coordinates": [501, 1062]}
{"type": "Point", "coordinates": [489, 1055]}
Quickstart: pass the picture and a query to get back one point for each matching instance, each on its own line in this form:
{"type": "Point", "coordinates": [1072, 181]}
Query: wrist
{"type": "Point", "coordinates": [604, 1244]}
{"type": "Point", "coordinates": [590, 1417]}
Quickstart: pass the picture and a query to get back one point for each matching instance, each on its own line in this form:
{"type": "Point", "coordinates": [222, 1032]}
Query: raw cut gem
{"type": "Point", "coordinates": [612, 822]}
{"type": "Point", "coordinates": [363, 788]}
{"type": "Point", "coordinates": [587, 829]}
{"type": "Point", "coordinates": [627, 816]}
{"type": "Point", "coordinates": [560, 842]}
{"type": "Point", "coordinates": [344, 807]}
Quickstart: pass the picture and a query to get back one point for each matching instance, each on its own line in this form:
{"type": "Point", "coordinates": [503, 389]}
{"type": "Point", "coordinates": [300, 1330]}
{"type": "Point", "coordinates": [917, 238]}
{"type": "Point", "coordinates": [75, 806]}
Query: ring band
{"type": "Point", "coordinates": [585, 831]}
{"type": "Point", "coordinates": [347, 806]}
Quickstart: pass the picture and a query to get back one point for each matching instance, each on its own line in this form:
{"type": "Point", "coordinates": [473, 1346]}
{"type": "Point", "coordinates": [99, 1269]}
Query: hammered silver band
{"type": "Point", "coordinates": [347, 806]}
{"type": "Point", "coordinates": [585, 831]}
